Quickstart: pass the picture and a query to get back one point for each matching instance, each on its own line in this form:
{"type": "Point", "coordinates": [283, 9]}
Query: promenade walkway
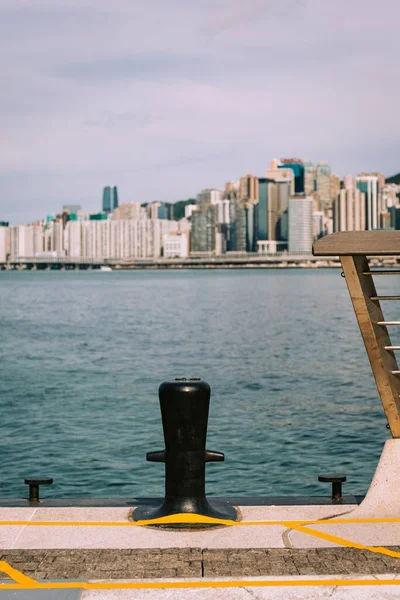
{"type": "Point", "coordinates": [314, 551]}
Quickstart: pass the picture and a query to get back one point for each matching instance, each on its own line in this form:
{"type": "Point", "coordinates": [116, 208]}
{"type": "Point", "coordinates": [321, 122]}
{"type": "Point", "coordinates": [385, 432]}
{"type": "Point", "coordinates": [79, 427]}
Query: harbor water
{"type": "Point", "coordinates": [82, 354]}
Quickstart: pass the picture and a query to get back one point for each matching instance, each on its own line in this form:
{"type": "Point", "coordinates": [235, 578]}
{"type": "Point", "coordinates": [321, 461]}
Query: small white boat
{"type": "Point", "coordinates": [105, 268]}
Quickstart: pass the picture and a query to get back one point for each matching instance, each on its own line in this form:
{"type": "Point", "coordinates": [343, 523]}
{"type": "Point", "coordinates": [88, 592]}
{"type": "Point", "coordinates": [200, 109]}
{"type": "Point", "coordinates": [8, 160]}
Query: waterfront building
{"type": "Point", "coordinates": [27, 241]}
{"type": "Point", "coordinates": [203, 234]}
{"type": "Point", "coordinates": [369, 185]}
{"type": "Point", "coordinates": [158, 210]}
{"type": "Point", "coordinates": [129, 210]}
{"type": "Point", "coordinates": [318, 224]}
{"type": "Point", "coordinates": [323, 183]}
{"type": "Point", "coordinates": [270, 247]}
{"type": "Point", "coordinates": [238, 226]}
{"type": "Point", "coordinates": [232, 191]}
{"type": "Point", "coordinates": [281, 174]}
{"type": "Point", "coordinates": [310, 175]}
{"type": "Point", "coordinates": [176, 246]}
{"type": "Point", "coordinates": [349, 182]}
{"type": "Point", "coordinates": [4, 243]}
{"type": "Point", "coordinates": [110, 199]}
{"type": "Point", "coordinates": [300, 224]}
{"type": "Point", "coordinates": [297, 166]}
{"type": "Point", "coordinates": [385, 219]}
{"type": "Point", "coordinates": [209, 196]}
{"type": "Point", "coordinates": [335, 186]}
{"type": "Point", "coordinates": [184, 225]}
{"type": "Point", "coordinates": [248, 188]}
{"type": "Point", "coordinates": [272, 209]}
{"type": "Point", "coordinates": [390, 194]}
{"type": "Point", "coordinates": [223, 211]}
{"type": "Point", "coordinates": [380, 177]}
{"type": "Point", "coordinates": [189, 209]}
{"type": "Point", "coordinates": [262, 210]}
{"type": "Point", "coordinates": [394, 217]}
{"type": "Point", "coordinates": [73, 239]}
{"type": "Point", "coordinates": [349, 210]}
{"type": "Point", "coordinates": [101, 216]}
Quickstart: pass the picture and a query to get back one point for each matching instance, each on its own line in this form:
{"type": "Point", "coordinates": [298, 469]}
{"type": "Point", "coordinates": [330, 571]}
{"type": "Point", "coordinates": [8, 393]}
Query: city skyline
{"type": "Point", "coordinates": [187, 94]}
{"type": "Point", "coordinates": [98, 205]}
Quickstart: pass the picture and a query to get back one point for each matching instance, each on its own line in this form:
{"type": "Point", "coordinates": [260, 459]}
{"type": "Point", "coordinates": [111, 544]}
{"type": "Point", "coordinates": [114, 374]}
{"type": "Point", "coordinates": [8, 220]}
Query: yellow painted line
{"type": "Point", "coordinates": [20, 578]}
{"type": "Point", "coordinates": [344, 542]}
{"type": "Point", "coordinates": [192, 518]}
{"type": "Point", "coordinates": [200, 584]}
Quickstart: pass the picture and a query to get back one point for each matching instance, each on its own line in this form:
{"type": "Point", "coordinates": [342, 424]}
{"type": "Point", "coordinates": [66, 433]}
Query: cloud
{"type": "Point", "coordinates": [192, 93]}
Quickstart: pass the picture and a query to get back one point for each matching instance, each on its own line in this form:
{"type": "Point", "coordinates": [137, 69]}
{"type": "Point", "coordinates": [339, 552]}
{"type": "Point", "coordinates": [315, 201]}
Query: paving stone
{"type": "Point", "coordinates": [193, 562]}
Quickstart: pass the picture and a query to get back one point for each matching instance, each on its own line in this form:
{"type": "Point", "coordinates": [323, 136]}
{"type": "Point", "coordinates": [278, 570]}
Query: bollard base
{"type": "Point", "coordinates": [216, 509]}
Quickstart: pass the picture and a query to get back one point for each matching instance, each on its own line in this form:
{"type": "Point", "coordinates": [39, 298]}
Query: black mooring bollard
{"type": "Point", "coordinates": [184, 410]}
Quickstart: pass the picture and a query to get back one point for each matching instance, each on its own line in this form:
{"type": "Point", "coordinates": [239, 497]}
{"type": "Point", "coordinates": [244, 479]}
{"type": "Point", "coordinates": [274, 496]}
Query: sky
{"type": "Point", "coordinates": [165, 98]}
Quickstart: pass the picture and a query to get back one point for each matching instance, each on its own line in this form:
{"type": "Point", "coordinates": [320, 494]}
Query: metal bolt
{"type": "Point", "coordinates": [34, 483]}
{"type": "Point", "coordinates": [336, 481]}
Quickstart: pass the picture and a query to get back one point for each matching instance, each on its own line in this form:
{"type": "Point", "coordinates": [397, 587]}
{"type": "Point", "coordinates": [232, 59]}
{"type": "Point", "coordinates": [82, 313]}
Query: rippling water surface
{"type": "Point", "coordinates": [82, 355]}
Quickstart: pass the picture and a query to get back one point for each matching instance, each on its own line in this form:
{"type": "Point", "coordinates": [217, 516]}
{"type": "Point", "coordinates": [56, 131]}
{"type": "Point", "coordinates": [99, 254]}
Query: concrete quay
{"type": "Point", "coordinates": [271, 553]}
{"type": "Point", "coordinates": [292, 550]}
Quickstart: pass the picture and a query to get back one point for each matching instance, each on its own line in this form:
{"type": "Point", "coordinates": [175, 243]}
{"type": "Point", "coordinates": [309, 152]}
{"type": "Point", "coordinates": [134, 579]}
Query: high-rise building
{"type": "Point", "coordinates": [262, 210]}
{"type": "Point", "coordinates": [203, 234]}
{"type": "Point", "coordinates": [281, 174]}
{"type": "Point", "coordinates": [209, 196]}
{"type": "Point", "coordinates": [310, 175]}
{"type": "Point", "coordinates": [272, 209]}
{"type": "Point", "coordinates": [158, 210]}
{"type": "Point", "coordinates": [130, 210]}
{"type": "Point", "coordinates": [323, 183]}
{"type": "Point", "coordinates": [297, 166]}
{"type": "Point", "coordinates": [248, 188]}
{"type": "Point", "coordinates": [390, 194]}
{"type": "Point", "coordinates": [335, 186]}
{"type": "Point", "coordinates": [349, 211]}
{"type": "Point", "coordinates": [4, 243]}
{"type": "Point", "coordinates": [110, 199]}
{"type": "Point", "coordinates": [369, 185]}
{"type": "Point", "coordinates": [300, 224]}
{"type": "Point", "coordinates": [394, 217]}
{"type": "Point", "coordinates": [176, 245]}
{"type": "Point", "coordinates": [349, 182]}
{"type": "Point", "coordinates": [318, 224]}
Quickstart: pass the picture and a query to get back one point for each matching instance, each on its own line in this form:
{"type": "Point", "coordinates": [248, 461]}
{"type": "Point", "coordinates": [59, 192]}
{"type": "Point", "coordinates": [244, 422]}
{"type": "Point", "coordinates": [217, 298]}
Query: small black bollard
{"type": "Point", "coordinates": [184, 410]}
{"type": "Point", "coordinates": [34, 483]}
{"type": "Point", "coordinates": [336, 481]}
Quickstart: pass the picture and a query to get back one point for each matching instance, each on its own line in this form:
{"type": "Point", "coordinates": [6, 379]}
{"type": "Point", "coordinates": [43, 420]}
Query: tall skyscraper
{"type": "Point", "coordinates": [209, 196]}
{"type": "Point", "coordinates": [310, 175]}
{"type": "Point", "coordinates": [301, 226]}
{"type": "Point", "coordinates": [349, 210]}
{"type": "Point", "coordinates": [110, 199]}
{"type": "Point", "coordinates": [248, 188]}
{"type": "Point", "coordinates": [335, 186]}
{"type": "Point", "coordinates": [297, 166]}
{"type": "Point", "coordinates": [323, 183]}
{"type": "Point", "coordinates": [204, 225]}
{"type": "Point", "coordinates": [272, 209]}
{"type": "Point", "coordinates": [262, 210]}
{"type": "Point", "coordinates": [369, 185]}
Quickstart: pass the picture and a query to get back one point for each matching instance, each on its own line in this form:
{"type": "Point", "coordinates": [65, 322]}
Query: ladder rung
{"type": "Point", "coordinates": [381, 272]}
{"type": "Point", "coordinates": [388, 323]}
{"type": "Point", "coordinates": [392, 347]}
{"type": "Point", "coordinates": [396, 372]}
{"type": "Point", "coordinates": [385, 298]}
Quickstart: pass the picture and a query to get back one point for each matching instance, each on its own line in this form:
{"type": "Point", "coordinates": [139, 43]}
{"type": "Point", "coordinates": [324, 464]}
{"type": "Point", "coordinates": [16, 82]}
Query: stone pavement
{"type": "Point", "coordinates": [196, 562]}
